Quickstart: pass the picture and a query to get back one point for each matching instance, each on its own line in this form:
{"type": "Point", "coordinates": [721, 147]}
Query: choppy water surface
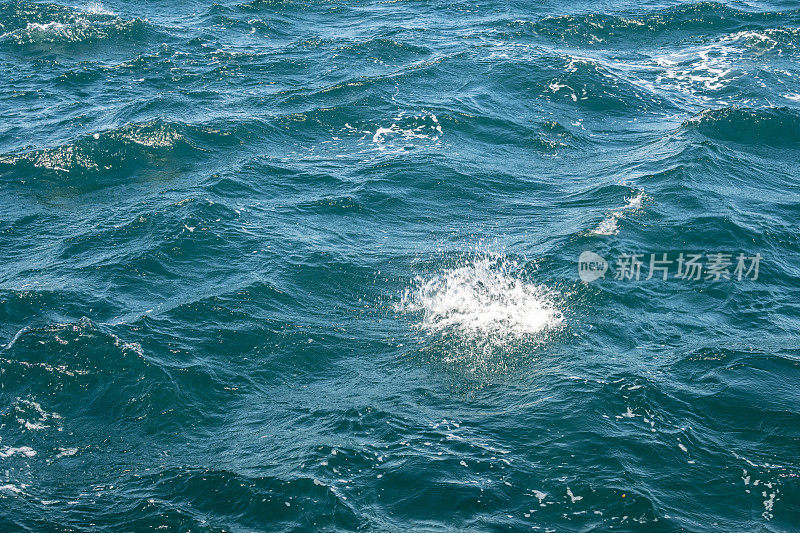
{"type": "Point", "coordinates": [305, 265]}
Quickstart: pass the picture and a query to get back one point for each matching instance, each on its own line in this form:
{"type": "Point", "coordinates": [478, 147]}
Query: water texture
{"type": "Point", "coordinates": [302, 266]}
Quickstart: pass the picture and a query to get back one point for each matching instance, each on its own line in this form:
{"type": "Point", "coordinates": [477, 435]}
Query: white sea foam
{"type": "Point", "coordinates": [407, 129]}
{"type": "Point", "coordinates": [25, 451]}
{"type": "Point", "coordinates": [487, 297]}
{"type": "Point", "coordinates": [540, 496]}
{"type": "Point", "coordinates": [767, 40]}
{"type": "Point", "coordinates": [610, 225]}
{"type": "Point", "coordinates": [66, 452]}
{"type": "Point", "coordinates": [708, 67]}
{"type": "Point", "coordinates": [572, 497]}
{"type": "Point", "coordinates": [702, 70]}
{"type": "Point", "coordinates": [31, 416]}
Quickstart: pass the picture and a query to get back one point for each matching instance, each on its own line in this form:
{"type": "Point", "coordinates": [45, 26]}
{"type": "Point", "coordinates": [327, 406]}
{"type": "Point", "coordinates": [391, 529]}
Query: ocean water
{"type": "Point", "coordinates": [314, 266]}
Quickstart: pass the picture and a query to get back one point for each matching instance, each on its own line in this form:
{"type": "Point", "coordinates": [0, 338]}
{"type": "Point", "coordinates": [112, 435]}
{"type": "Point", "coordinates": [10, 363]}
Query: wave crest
{"type": "Point", "coordinates": [774, 126]}
{"type": "Point", "coordinates": [693, 17]}
{"type": "Point", "coordinates": [96, 160]}
{"type": "Point", "coordinates": [33, 23]}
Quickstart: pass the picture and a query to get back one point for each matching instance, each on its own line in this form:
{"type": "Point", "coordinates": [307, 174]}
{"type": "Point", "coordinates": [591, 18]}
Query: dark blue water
{"type": "Point", "coordinates": [304, 265]}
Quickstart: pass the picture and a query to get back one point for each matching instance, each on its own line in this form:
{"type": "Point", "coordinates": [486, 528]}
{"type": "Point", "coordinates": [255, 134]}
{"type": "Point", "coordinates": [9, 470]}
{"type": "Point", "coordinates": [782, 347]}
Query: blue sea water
{"type": "Point", "coordinates": [302, 265]}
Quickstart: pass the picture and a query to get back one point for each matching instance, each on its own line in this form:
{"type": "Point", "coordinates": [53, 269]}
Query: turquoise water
{"type": "Point", "coordinates": [304, 265]}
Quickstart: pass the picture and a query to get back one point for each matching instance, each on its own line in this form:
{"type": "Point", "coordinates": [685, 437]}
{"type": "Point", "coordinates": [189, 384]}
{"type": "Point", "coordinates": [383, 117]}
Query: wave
{"type": "Point", "coordinates": [278, 5]}
{"type": "Point", "coordinates": [32, 23]}
{"type": "Point", "coordinates": [695, 18]}
{"type": "Point", "coordinates": [610, 225]}
{"type": "Point", "coordinates": [333, 205]}
{"type": "Point", "coordinates": [773, 126]}
{"type": "Point", "coordinates": [250, 501]}
{"type": "Point", "coordinates": [771, 40]}
{"type": "Point", "coordinates": [102, 159]}
{"type": "Point", "coordinates": [68, 367]}
{"type": "Point", "coordinates": [209, 497]}
{"type": "Point", "coordinates": [549, 137]}
{"type": "Point", "coordinates": [67, 375]}
{"type": "Point", "coordinates": [592, 84]}
{"type": "Point", "coordinates": [246, 24]}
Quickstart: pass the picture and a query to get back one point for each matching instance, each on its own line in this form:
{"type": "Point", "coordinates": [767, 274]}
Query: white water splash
{"type": "Point", "coordinates": [487, 297]}
{"type": "Point", "coordinates": [97, 8]}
